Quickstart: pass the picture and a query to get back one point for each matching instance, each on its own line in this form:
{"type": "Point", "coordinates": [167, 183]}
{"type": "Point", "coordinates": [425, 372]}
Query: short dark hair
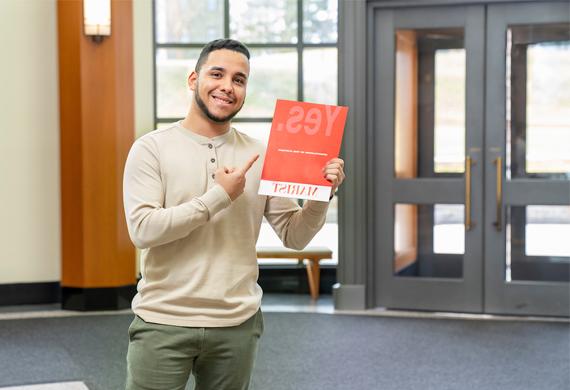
{"type": "Point", "coordinates": [219, 44]}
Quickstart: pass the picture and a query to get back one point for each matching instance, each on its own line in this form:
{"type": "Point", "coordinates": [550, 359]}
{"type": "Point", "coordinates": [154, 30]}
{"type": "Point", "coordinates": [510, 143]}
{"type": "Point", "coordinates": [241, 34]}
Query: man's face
{"type": "Point", "coordinates": [219, 88]}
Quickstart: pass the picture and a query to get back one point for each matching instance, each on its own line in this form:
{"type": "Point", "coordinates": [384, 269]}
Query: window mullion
{"type": "Point", "coordinates": [226, 18]}
{"type": "Point", "coordinates": [300, 94]}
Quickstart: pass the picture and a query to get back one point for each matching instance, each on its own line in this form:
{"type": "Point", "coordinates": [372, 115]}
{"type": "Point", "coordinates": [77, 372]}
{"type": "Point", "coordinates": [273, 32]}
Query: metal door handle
{"type": "Point", "coordinates": [468, 223]}
{"type": "Point", "coordinates": [499, 194]}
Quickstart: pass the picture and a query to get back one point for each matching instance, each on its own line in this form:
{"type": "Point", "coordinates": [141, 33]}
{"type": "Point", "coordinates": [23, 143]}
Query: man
{"type": "Point", "coordinates": [191, 203]}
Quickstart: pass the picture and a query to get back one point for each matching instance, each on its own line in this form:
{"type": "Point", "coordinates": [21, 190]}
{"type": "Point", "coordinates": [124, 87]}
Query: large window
{"type": "Point", "coordinates": [293, 46]}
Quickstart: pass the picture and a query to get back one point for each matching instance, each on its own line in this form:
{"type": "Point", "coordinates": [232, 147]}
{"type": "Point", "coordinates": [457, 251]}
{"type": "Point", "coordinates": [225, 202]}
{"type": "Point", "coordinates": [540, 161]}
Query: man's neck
{"type": "Point", "coordinates": [198, 123]}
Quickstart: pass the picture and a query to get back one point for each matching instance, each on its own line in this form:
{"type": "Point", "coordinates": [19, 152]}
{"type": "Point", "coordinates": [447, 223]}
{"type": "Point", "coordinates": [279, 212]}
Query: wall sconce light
{"type": "Point", "coordinates": [97, 19]}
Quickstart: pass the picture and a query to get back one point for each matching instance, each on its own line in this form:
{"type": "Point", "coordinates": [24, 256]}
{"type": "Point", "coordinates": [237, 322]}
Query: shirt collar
{"type": "Point", "coordinates": [203, 140]}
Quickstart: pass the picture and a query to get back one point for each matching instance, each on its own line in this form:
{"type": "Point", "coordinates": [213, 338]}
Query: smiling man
{"type": "Point", "coordinates": [191, 203]}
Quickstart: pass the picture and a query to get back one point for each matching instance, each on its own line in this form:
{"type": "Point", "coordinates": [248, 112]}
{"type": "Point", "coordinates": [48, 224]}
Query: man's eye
{"type": "Point", "coordinates": [216, 74]}
{"type": "Point", "coordinates": [240, 81]}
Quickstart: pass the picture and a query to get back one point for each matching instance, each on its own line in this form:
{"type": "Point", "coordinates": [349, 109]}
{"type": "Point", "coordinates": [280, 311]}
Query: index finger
{"type": "Point", "coordinates": [249, 164]}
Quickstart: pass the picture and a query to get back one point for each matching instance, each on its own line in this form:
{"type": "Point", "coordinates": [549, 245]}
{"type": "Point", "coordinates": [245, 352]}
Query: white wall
{"type": "Point", "coordinates": [29, 142]}
{"type": "Point", "coordinates": [29, 133]}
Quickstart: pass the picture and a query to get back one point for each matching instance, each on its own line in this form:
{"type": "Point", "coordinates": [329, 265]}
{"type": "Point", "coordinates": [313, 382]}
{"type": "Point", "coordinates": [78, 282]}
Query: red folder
{"type": "Point", "coordinates": [303, 138]}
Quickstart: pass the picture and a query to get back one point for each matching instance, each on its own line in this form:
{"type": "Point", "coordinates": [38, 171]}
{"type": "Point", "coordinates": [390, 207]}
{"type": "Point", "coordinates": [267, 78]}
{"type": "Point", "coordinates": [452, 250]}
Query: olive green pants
{"type": "Point", "coordinates": [162, 357]}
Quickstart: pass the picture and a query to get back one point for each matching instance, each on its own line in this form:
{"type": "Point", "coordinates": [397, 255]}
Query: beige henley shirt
{"type": "Point", "coordinates": [198, 263]}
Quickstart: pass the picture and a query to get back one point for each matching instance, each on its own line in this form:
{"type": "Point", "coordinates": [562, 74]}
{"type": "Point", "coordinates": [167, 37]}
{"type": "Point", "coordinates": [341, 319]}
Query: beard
{"type": "Point", "coordinates": [207, 112]}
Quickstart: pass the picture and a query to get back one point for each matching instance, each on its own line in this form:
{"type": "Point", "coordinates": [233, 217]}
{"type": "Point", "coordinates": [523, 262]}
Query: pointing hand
{"type": "Point", "coordinates": [232, 179]}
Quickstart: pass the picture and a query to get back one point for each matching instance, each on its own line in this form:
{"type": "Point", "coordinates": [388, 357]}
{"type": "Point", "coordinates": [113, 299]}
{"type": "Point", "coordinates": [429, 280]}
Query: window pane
{"type": "Point", "coordinates": [448, 229]}
{"type": "Point", "coordinates": [320, 75]}
{"type": "Point", "coordinates": [449, 121]}
{"type": "Point", "coordinates": [327, 237]}
{"type": "Point", "coordinates": [264, 21]}
{"type": "Point", "coordinates": [172, 69]}
{"type": "Point", "coordinates": [268, 237]}
{"type": "Point", "coordinates": [538, 101]}
{"type": "Point", "coordinates": [163, 125]}
{"type": "Point", "coordinates": [183, 21]}
{"type": "Point", "coordinates": [429, 240]}
{"type": "Point", "coordinates": [332, 212]}
{"type": "Point", "coordinates": [430, 103]}
{"type": "Point", "coordinates": [548, 115]}
{"type": "Point", "coordinates": [273, 76]}
{"type": "Point", "coordinates": [546, 230]}
{"type": "Point", "coordinates": [258, 131]}
{"type": "Point", "coordinates": [320, 21]}
{"type": "Point", "coordinates": [537, 245]}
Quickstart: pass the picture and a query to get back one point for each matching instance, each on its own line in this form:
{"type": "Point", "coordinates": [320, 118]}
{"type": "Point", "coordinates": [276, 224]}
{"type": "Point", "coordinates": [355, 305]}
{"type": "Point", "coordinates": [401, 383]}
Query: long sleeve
{"type": "Point", "coordinates": [149, 223]}
{"type": "Point", "coordinates": [296, 226]}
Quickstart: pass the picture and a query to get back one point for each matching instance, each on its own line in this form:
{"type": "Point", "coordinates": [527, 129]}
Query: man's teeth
{"type": "Point", "coordinates": [222, 100]}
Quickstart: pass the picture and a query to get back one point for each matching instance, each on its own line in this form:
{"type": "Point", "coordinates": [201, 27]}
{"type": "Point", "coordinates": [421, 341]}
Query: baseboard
{"type": "Point", "coordinates": [102, 298]}
{"type": "Point", "coordinates": [71, 298]}
{"type": "Point", "coordinates": [29, 293]}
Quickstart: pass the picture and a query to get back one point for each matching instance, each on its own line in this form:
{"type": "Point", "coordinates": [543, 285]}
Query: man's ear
{"type": "Point", "coordinates": [192, 79]}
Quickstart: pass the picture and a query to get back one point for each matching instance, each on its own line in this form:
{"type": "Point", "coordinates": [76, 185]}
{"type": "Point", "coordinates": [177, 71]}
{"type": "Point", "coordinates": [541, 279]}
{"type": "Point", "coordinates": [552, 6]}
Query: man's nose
{"type": "Point", "coordinates": [227, 85]}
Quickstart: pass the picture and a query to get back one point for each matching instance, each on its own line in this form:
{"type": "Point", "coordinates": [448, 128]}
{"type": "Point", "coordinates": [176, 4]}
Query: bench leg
{"type": "Point", "coordinates": [314, 277]}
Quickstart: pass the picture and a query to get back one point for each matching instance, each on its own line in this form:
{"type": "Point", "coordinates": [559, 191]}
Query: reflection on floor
{"type": "Point", "coordinates": [285, 303]}
{"type": "Point", "coordinates": [297, 303]}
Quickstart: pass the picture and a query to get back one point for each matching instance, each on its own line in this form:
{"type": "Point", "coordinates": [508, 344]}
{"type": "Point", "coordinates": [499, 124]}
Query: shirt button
{"type": "Point", "coordinates": [210, 146]}
{"type": "Point", "coordinates": [213, 176]}
{"type": "Point", "coordinates": [213, 160]}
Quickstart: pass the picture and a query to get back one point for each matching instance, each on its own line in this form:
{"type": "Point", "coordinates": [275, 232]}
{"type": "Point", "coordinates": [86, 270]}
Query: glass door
{"type": "Point", "coordinates": [527, 159]}
{"type": "Point", "coordinates": [427, 123]}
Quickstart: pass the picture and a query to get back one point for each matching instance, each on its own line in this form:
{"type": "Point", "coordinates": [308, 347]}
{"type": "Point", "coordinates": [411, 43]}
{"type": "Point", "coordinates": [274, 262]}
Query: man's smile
{"type": "Point", "coordinates": [222, 100]}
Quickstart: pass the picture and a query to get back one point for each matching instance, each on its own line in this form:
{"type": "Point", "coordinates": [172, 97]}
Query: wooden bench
{"type": "Point", "coordinates": [311, 256]}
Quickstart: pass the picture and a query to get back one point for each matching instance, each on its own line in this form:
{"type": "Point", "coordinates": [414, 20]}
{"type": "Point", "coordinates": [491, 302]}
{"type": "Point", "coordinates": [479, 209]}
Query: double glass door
{"type": "Point", "coordinates": [472, 158]}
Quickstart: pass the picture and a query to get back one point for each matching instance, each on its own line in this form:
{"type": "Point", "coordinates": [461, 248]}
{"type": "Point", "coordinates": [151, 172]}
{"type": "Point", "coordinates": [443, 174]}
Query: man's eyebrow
{"type": "Point", "coordinates": [221, 69]}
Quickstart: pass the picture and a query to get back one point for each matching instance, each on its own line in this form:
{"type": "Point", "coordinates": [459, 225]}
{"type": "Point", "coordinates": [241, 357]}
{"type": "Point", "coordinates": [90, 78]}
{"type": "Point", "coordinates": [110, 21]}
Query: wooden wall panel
{"type": "Point", "coordinates": [97, 102]}
{"type": "Point", "coordinates": [69, 47]}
